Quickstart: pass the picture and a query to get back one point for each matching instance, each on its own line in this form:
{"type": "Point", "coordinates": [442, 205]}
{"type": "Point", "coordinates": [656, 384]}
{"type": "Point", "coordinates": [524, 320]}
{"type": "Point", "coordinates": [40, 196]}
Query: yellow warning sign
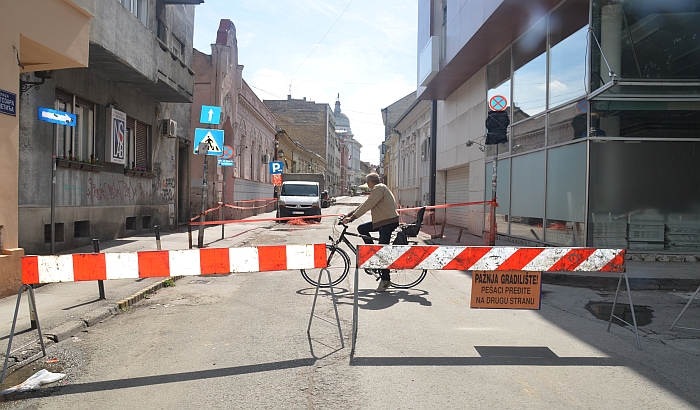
{"type": "Point", "coordinates": [506, 290]}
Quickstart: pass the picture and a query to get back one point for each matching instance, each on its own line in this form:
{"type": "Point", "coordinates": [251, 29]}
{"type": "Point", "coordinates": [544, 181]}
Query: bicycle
{"type": "Point", "coordinates": [338, 261]}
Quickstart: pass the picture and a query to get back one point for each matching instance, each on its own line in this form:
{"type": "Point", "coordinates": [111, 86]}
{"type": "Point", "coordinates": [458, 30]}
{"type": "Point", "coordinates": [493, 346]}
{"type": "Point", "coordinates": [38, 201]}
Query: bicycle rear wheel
{"type": "Point", "coordinates": [338, 264]}
{"type": "Point", "coordinates": [407, 278]}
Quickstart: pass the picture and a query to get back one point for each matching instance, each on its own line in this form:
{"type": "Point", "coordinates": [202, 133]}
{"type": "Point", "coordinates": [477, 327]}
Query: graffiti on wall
{"type": "Point", "coordinates": [119, 190]}
{"type": "Point", "coordinates": [168, 189]}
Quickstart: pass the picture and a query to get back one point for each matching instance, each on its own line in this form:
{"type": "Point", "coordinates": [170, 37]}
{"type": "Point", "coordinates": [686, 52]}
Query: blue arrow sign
{"type": "Point", "coordinates": [226, 162]}
{"type": "Point", "coordinates": [276, 167]}
{"type": "Point", "coordinates": [213, 138]}
{"type": "Point", "coordinates": [56, 117]}
{"type": "Point", "coordinates": [211, 114]}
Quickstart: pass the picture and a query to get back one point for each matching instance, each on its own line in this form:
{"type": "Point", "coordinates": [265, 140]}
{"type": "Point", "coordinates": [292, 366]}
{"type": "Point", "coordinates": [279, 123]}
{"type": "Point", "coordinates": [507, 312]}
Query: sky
{"type": "Point", "coordinates": [364, 50]}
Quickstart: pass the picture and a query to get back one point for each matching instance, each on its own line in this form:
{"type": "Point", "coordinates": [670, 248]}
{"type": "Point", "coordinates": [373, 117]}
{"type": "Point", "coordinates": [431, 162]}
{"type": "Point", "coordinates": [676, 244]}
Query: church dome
{"type": "Point", "coordinates": [342, 122]}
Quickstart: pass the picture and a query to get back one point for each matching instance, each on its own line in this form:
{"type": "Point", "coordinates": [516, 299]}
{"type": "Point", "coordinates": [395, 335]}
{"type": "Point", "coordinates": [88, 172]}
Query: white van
{"type": "Point", "coordinates": [299, 198]}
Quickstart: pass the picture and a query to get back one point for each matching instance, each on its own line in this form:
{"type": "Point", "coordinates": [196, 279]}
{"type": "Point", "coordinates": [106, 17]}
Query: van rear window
{"type": "Point", "coordinates": [299, 190]}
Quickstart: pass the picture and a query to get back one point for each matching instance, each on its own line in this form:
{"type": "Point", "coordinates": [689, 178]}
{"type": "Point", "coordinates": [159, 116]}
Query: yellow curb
{"type": "Point", "coordinates": [131, 300]}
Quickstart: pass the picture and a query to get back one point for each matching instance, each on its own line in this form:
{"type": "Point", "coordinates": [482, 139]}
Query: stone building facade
{"type": "Point", "coordinates": [118, 171]}
{"type": "Point", "coordinates": [313, 125]}
{"type": "Point", "coordinates": [249, 127]}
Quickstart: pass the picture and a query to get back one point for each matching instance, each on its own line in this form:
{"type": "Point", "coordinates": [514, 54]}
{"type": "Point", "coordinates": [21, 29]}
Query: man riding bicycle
{"type": "Point", "coordinates": [384, 219]}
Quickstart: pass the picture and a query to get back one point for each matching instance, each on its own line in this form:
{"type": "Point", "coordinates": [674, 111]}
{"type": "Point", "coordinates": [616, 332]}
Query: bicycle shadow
{"type": "Point", "coordinates": [370, 300]}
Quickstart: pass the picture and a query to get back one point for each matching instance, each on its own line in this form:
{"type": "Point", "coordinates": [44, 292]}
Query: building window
{"type": "Point", "coordinates": [77, 143]}
{"type": "Point", "coordinates": [138, 144]}
{"type": "Point", "coordinates": [645, 40]}
{"type": "Point", "coordinates": [139, 8]}
{"type": "Point", "coordinates": [568, 39]}
{"type": "Point", "coordinates": [530, 73]}
{"type": "Point", "coordinates": [176, 47]}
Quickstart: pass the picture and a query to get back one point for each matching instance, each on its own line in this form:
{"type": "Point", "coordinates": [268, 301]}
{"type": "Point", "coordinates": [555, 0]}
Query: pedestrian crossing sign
{"type": "Point", "coordinates": [213, 138]}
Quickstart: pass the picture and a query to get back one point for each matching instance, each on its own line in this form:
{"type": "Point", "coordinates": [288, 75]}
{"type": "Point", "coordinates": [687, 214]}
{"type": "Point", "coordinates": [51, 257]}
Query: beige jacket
{"type": "Point", "coordinates": [383, 205]}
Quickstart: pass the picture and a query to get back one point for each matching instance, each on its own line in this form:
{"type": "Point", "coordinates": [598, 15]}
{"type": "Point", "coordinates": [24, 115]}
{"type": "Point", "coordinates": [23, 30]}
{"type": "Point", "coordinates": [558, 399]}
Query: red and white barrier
{"type": "Point", "coordinates": [488, 258]}
{"type": "Point", "coordinates": [192, 262]}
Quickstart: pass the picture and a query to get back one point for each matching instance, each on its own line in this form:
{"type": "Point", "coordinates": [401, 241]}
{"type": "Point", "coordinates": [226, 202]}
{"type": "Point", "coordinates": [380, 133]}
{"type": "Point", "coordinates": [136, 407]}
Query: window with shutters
{"type": "Point", "coordinates": [137, 137]}
{"type": "Point", "coordinates": [75, 143]}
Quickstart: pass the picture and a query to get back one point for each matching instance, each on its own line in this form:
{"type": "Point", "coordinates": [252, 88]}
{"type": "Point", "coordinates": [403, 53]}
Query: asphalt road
{"type": "Point", "coordinates": [240, 341]}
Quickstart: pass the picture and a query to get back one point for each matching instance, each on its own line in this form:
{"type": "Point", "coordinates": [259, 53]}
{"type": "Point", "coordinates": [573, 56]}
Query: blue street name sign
{"type": "Point", "coordinates": [211, 114]}
{"type": "Point", "coordinates": [8, 103]}
{"type": "Point", "coordinates": [226, 163]}
{"type": "Point", "coordinates": [213, 138]}
{"type": "Point", "coordinates": [56, 117]}
{"type": "Point", "coordinates": [276, 167]}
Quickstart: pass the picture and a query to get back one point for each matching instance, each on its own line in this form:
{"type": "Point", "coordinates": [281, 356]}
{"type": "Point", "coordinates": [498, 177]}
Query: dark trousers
{"type": "Point", "coordinates": [384, 238]}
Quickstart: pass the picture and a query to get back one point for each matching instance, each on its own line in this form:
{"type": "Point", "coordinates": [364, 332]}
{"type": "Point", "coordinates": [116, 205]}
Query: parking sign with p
{"type": "Point", "coordinates": [276, 167]}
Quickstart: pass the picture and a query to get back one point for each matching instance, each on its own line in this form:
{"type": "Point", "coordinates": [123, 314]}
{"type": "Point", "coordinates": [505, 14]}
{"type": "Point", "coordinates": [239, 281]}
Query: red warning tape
{"type": "Point", "coordinates": [492, 202]}
{"type": "Point", "coordinates": [231, 221]}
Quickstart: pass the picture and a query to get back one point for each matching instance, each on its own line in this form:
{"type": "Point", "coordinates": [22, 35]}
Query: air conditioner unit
{"type": "Point", "coordinates": [265, 159]}
{"type": "Point", "coordinates": [168, 128]}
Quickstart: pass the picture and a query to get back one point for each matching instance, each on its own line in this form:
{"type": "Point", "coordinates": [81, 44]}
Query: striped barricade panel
{"type": "Point", "coordinates": [491, 258]}
{"type": "Point", "coordinates": [191, 262]}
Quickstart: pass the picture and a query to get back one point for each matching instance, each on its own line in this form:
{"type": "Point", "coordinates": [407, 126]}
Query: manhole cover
{"type": "Point", "coordinates": [200, 282]}
{"type": "Point", "coordinates": [601, 310]}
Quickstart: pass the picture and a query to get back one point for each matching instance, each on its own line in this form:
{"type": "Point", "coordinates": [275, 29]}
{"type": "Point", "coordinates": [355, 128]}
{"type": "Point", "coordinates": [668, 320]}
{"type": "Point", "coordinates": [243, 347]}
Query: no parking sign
{"type": "Point", "coordinates": [498, 103]}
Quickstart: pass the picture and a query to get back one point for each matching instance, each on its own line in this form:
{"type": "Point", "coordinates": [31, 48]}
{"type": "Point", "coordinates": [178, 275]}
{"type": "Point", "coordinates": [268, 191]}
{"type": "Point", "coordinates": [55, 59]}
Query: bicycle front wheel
{"type": "Point", "coordinates": [407, 278]}
{"type": "Point", "coordinates": [338, 265]}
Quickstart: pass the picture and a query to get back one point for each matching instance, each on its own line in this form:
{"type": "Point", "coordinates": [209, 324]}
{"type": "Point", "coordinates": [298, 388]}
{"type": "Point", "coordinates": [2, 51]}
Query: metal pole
{"type": "Point", "coordinates": [53, 202]}
{"type": "Point", "coordinates": [32, 311]}
{"type": "Point", "coordinates": [221, 218]}
{"type": "Point", "coordinates": [355, 305]}
{"type": "Point", "coordinates": [494, 182]}
{"type": "Point", "coordinates": [100, 283]}
{"type": "Point", "coordinates": [157, 228]}
{"type": "Point", "coordinates": [433, 152]}
{"type": "Point", "coordinates": [223, 201]}
{"type": "Point", "coordinates": [200, 238]}
{"type": "Point", "coordinates": [189, 234]}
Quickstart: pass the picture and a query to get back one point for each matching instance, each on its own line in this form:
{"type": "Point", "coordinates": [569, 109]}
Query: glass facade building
{"type": "Point", "coordinates": [604, 140]}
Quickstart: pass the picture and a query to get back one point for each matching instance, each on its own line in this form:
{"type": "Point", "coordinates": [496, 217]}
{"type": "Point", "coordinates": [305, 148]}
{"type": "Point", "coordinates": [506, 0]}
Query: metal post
{"type": "Point", "coordinates": [494, 182]}
{"type": "Point", "coordinates": [205, 188]}
{"type": "Point", "coordinates": [355, 306]}
{"type": "Point", "coordinates": [433, 152]}
{"type": "Point", "coordinates": [52, 249]}
{"type": "Point", "coordinates": [32, 312]}
{"type": "Point", "coordinates": [189, 234]}
{"type": "Point", "coordinates": [157, 228]}
{"type": "Point", "coordinates": [100, 283]}
{"type": "Point", "coordinates": [221, 218]}
{"type": "Point", "coordinates": [223, 201]}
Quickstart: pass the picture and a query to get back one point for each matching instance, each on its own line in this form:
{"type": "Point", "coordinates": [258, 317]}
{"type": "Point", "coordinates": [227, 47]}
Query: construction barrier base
{"type": "Point", "coordinates": [32, 309]}
{"type": "Point", "coordinates": [634, 317]}
{"type": "Point", "coordinates": [335, 307]}
{"type": "Point", "coordinates": [683, 311]}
